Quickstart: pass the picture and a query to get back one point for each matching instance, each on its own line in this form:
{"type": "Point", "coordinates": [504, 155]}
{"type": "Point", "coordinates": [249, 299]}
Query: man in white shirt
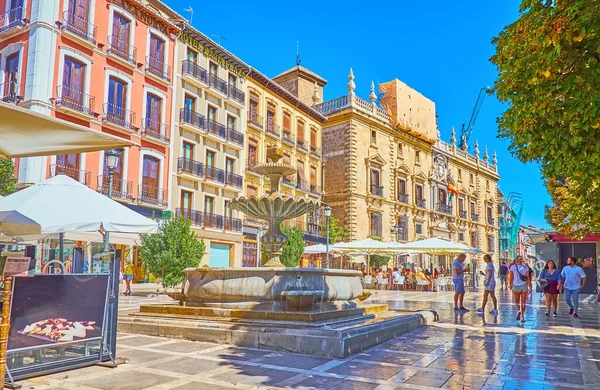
{"type": "Point", "coordinates": [573, 280]}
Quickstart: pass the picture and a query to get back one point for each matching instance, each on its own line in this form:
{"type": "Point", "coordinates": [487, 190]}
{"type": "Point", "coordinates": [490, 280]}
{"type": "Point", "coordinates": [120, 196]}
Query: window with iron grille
{"type": "Point", "coordinates": [419, 228]}
{"type": "Point", "coordinates": [474, 242]}
{"type": "Point", "coordinates": [491, 246]}
{"type": "Point", "coordinates": [376, 225]}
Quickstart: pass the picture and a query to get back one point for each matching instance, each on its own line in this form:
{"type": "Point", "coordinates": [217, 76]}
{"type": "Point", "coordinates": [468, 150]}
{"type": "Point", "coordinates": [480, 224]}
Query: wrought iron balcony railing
{"type": "Point", "coordinates": [301, 144]}
{"type": "Point", "coordinates": [287, 138]}
{"type": "Point", "coordinates": [196, 217]}
{"type": "Point", "coordinates": [376, 189]}
{"type": "Point", "coordinates": [462, 214]}
{"type": "Point", "coordinates": [475, 217]}
{"type": "Point", "coordinates": [273, 129]}
{"type": "Point", "coordinates": [121, 189]}
{"type": "Point", "coordinates": [403, 198]}
{"type": "Point", "coordinates": [289, 181]}
{"type": "Point", "coordinates": [236, 94]}
{"type": "Point", "coordinates": [232, 223]}
{"type": "Point", "coordinates": [192, 118]}
{"type": "Point", "coordinates": [156, 130]}
{"type": "Point", "coordinates": [158, 68]}
{"type": "Point", "coordinates": [255, 119]}
{"type": "Point", "coordinates": [122, 49]}
{"type": "Point", "coordinates": [235, 136]}
{"type": "Point", "coordinates": [491, 221]}
{"type": "Point", "coordinates": [13, 18]}
{"type": "Point", "coordinates": [302, 185]}
{"type": "Point", "coordinates": [119, 116]}
{"type": "Point", "coordinates": [213, 221]}
{"type": "Point", "coordinates": [315, 189]}
{"type": "Point", "coordinates": [190, 68]}
{"type": "Point", "coordinates": [152, 195]}
{"type": "Point", "coordinates": [216, 128]}
{"type": "Point", "coordinates": [215, 174]}
{"type": "Point", "coordinates": [420, 202]}
{"type": "Point", "coordinates": [315, 151]}
{"type": "Point", "coordinates": [79, 26]}
{"type": "Point", "coordinates": [444, 208]}
{"type": "Point", "coordinates": [76, 100]}
{"type": "Point", "coordinates": [218, 83]}
{"type": "Point", "coordinates": [82, 176]}
{"type": "Point", "coordinates": [234, 180]}
{"type": "Point", "coordinates": [11, 92]}
{"type": "Point", "coordinates": [186, 165]}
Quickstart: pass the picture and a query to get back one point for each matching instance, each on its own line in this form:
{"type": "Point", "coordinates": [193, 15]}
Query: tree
{"type": "Point", "coordinates": [7, 177]}
{"type": "Point", "coordinates": [336, 232]}
{"type": "Point", "coordinates": [170, 251]}
{"type": "Point", "coordinates": [379, 261]}
{"type": "Point", "coordinates": [294, 248]}
{"type": "Point", "coordinates": [548, 63]}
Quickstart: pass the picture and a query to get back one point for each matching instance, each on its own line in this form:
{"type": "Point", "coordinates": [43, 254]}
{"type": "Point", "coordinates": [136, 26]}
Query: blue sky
{"type": "Point", "coordinates": [440, 48]}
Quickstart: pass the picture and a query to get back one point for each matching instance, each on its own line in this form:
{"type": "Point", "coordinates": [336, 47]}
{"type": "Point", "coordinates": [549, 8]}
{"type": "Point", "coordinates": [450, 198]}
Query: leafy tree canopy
{"type": "Point", "coordinates": [294, 248]}
{"type": "Point", "coordinates": [336, 231]}
{"type": "Point", "coordinates": [549, 72]}
{"type": "Point", "coordinates": [8, 182]}
{"type": "Point", "coordinates": [170, 251]}
{"type": "Point", "coordinates": [379, 261]}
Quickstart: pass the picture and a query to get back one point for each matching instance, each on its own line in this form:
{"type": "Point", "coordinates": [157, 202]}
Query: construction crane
{"type": "Point", "coordinates": [466, 130]}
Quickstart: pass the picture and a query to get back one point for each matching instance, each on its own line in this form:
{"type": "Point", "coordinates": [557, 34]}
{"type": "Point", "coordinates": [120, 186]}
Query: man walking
{"type": "Point", "coordinates": [458, 272]}
{"type": "Point", "coordinates": [502, 273]}
{"type": "Point", "coordinates": [573, 280]}
{"type": "Point", "coordinates": [489, 286]}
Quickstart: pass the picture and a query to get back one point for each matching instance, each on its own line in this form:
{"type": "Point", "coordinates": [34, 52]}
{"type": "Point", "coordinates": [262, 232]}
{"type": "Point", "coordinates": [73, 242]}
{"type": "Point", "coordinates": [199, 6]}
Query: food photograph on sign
{"type": "Point", "coordinates": [54, 309]}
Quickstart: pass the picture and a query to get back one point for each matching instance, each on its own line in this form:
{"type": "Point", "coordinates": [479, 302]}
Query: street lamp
{"type": "Point", "coordinates": [327, 216]}
{"type": "Point", "coordinates": [112, 159]}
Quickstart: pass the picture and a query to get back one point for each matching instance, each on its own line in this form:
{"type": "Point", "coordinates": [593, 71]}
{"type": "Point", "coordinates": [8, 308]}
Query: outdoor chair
{"type": "Point", "coordinates": [398, 281]}
{"type": "Point", "coordinates": [368, 281]}
{"type": "Point", "coordinates": [382, 282]}
{"type": "Point", "coordinates": [421, 283]}
{"type": "Point", "coordinates": [442, 283]}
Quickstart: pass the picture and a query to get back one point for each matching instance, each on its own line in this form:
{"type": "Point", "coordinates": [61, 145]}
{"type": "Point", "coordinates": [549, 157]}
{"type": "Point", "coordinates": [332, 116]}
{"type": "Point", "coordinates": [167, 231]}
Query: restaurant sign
{"type": "Point", "coordinates": [212, 54]}
{"type": "Point", "coordinates": [139, 11]}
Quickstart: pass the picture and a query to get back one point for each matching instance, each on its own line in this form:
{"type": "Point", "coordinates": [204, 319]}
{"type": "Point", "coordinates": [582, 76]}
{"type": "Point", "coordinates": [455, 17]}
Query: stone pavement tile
{"type": "Point", "coordinates": [141, 341]}
{"type": "Point", "coordinates": [447, 364]}
{"type": "Point", "coordinates": [136, 356]}
{"type": "Point", "coordinates": [190, 366]}
{"type": "Point", "coordinates": [184, 346]}
{"type": "Point", "coordinates": [564, 377]}
{"type": "Point", "coordinates": [353, 385]}
{"type": "Point", "coordinates": [396, 357]}
{"type": "Point", "coordinates": [522, 385]}
{"type": "Point", "coordinates": [531, 373]}
{"type": "Point", "coordinates": [478, 367]}
{"type": "Point", "coordinates": [464, 382]}
{"type": "Point", "coordinates": [317, 382]}
{"type": "Point", "coordinates": [126, 380]}
{"type": "Point", "coordinates": [405, 345]}
{"type": "Point", "coordinates": [235, 353]}
{"type": "Point", "coordinates": [199, 386]}
{"type": "Point", "coordinates": [254, 375]}
{"type": "Point", "coordinates": [366, 370]}
{"type": "Point", "coordinates": [80, 373]}
{"type": "Point", "coordinates": [429, 378]}
{"type": "Point", "coordinates": [304, 362]}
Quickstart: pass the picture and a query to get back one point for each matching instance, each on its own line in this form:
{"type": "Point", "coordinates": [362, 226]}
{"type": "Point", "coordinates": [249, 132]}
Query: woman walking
{"type": "Point", "coordinates": [519, 281]}
{"type": "Point", "coordinates": [551, 278]}
{"type": "Point", "coordinates": [128, 276]}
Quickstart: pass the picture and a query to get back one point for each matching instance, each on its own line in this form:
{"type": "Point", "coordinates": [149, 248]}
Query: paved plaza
{"type": "Point", "coordinates": [461, 351]}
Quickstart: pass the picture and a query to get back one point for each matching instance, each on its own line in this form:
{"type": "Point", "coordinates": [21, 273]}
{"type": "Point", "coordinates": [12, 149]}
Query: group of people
{"type": "Point", "coordinates": [410, 276]}
{"type": "Point", "coordinates": [519, 277]}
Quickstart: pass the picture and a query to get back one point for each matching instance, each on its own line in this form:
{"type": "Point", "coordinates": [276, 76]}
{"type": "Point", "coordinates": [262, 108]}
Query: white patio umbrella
{"type": "Point", "coordinates": [367, 246]}
{"type": "Point", "coordinates": [318, 249]}
{"type": "Point", "coordinates": [437, 246]}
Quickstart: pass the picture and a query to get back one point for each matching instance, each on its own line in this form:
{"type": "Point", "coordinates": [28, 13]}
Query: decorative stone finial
{"type": "Point", "coordinates": [494, 159]}
{"type": "Point", "coordinates": [453, 136]}
{"type": "Point", "coordinates": [463, 140]}
{"type": "Point", "coordinates": [315, 97]}
{"type": "Point", "coordinates": [372, 96]}
{"type": "Point", "coordinates": [351, 85]}
{"type": "Point", "coordinates": [485, 154]}
{"type": "Point", "coordinates": [476, 150]}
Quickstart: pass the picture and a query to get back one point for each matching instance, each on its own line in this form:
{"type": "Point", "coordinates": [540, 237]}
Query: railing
{"type": "Point", "coordinates": [302, 185]}
{"type": "Point", "coordinates": [420, 202]}
{"type": "Point", "coordinates": [289, 182]}
{"type": "Point", "coordinates": [311, 228]}
{"type": "Point", "coordinates": [79, 26]}
{"type": "Point", "coordinates": [218, 83]}
{"type": "Point", "coordinates": [121, 49]}
{"type": "Point", "coordinates": [216, 128]}
{"type": "Point", "coordinates": [315, 151]}
{"type": "Point", "coordinates": [255, 119]}
{"type": "Point", "coordinates": [403, 235]}
{"type": "Point", "coordinates": [190, 68]}
{"type": "Point", "coordinates": [233, 180]}
{"type": "Point", "coordinates": [192, 118]}
{"type": "Point", "coordinates": [444, 208]}
{"type": "Point", "coordinates": [75, 100]}
{"type": "Point", "coordinates": [475, 217]}
{"type": "Point", "coordinates": [84, 177]}
{"type": "Point", "coordinates": [152, 195]}
{"type": "Point", "coordinates": [11, 19]}
{"type": "Point", "coordinates": [273, 129]}
{"type": "Point", "coordinates": [315, 189]}
{"type": "Point", "coordinates": [196, 217]}
{"type": "Point", "coordinates": [491, 245]}
{"type": "Point", "coordinates": [233, 224]}
{"type": "Point", "coordinates": [491, 221]}
{"type": "Point", "coordinates": [155, 129]}
{"type": "Point", "coordinates": [301, 144]}
{"type": "Point", "coordinates": [250, 164]}
{"type": "Point", "coordinates": [376, 190]}
{"type": "Point", "coordinates": [235, 136]}
{"type": "Point", "coordinates": [121, 189]}
{"type": "Point", "coordinates": [11, 92]}
{"type": "Point", "coordinates": [332, 105]}
{"type": "Point", "coordinates": [186, 165]}
{"type": "Point", "coordinates": [215, 174]}
{"type": "Point", "coordinates": [462, 214]}
{"type": "Point", "coordinates": [403, 198]}
{"type": "Point", "coordinates": [158, 68]}
{"type": "Point", "coordinates": [213, 220]}
{"type": "Point", "coordinates": [287, 138]}
{"type": "Point", "coordinates": [236, 94]}
{"type": "Point", "coordinates": [119, 116]}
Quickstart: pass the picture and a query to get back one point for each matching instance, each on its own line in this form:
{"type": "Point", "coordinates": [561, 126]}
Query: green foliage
{"type": "Point", "coordinates": [379, 261]}
{"type": "Point", "coordinates": [293, 249]}
{"type": "Point", "coordinates": [548, 63]}
{"type": "Point", "coordinates": [376, 238]}
{"type": "Point", "coordinates": [170, 251]}
{"type": "Point", "coordinates": [336, 231]}
{"type": "Point", "coordinates": [8, 182]}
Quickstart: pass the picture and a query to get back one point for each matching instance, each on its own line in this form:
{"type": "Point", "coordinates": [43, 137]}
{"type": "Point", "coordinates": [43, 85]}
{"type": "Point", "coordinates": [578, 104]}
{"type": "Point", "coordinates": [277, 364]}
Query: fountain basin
{"type": "Point", "coordinates": [254, 287]}
{"type": "Point", "coordinates": [301, 299]}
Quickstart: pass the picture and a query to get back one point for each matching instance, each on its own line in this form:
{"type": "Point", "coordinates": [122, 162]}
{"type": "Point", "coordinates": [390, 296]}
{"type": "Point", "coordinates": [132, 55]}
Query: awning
{"type": "Point", "coordinates": [25, 133]}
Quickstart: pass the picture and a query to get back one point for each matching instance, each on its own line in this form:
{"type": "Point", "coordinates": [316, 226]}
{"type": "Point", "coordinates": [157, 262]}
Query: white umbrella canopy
{"type": "Point", "coordinates": [367, 246]}
{"type": "Point", "coordinates": [61, 204]}
{"type": "Point", "coordinates": [317, 249]}
{"type": "Point", "coordinates": [437, 246]}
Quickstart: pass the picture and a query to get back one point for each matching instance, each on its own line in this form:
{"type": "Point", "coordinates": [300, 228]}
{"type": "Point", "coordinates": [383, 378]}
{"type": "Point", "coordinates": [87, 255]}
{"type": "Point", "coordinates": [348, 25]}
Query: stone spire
{"type": "Point", "coordinates": [464, 146]}
{"type": "Point", "coordinates": [494, 159]}
{"type": "Point", "coordinates": [351, 85]}
{"type": "Point", "coordinates": [476, 150]}
{"type": "Point", "coordinates": [486, 156]}
{"type": "Point", "coordinates": [453, 137]}
{"type": "Point", "coordinates": [315, 97]}
{"type": "Point", "coordinates": [372, 95]}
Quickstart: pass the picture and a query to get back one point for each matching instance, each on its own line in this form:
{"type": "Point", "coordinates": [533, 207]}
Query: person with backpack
{"type": "Point", "coordinates": [519, 281]}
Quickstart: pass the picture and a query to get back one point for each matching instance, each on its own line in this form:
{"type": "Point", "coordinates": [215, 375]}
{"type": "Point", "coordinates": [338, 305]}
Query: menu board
{"type": "Point", "coordinates": [16, 266]}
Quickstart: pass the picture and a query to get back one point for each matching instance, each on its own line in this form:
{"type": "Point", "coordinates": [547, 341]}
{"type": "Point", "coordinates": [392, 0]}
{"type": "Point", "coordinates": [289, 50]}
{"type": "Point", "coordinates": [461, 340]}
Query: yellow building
{"type": "Point", "coordinates": [277, 116]}
{"type": "Point", "coordinates": [387, 173]}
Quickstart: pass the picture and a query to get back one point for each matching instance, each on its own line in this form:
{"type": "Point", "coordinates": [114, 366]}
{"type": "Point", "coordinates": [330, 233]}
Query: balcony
{"type": "Point", "coordinates": [235, 136]}
{"type": "Point", "coordinates": [287, 138]}
{"type": "Point", "coordinates": [376, 190]}
{"type": "Point", "coordinates": [237, 94]}
{"type": "Point", "coordinates": [302, 185]}
{"type": "Point", "coordinates": [192, 118]}
{"type": "Point", "coordinates": [475, 217]}
{"type": "Point", "coordinates": [152, 195]}
{"type": "Point", "coordinates": [121, 50]}
{"type": "Point", "coordinates": [191, 167]}
{"type": "Point", "coordinates": [74, 100]}
{"type": "Point", "coordinates": [491, 221]}
{"type": "Point", "coordinates": [311, 228]}
{"type": "Point", "coordinates": [13, 19]}
{"type": "Point", "coordinates": [315, 151]}
{"type": "Point", "coordinates": [84, 177]}
{"type": "Point", "coordinates": [403, 198]}
{"type": "Point", "coordinates": [11, 92]}
{"type": "Point", "coordinates": [233, 224]}
{"type": "Point", "coordinates": [231, 179]}
{"type": "Point", "coordinates": [301, 144]}
{"type": "Point", "coordinates": [155, 130]}
{"type": "Point", "coordinates": [191, 69]}
{"type": "Point", "coordinates": [255, 119]}
{"type": "Point", "coordinates": [213, 221]}
{"type": "Point", "coordinates": [444, 208]}
{"type": "Point", "coordinates": [121, 189]}
{"type": "Point", "coordinates": [420, 202]}
{"type": "Point", "coordinates": [215, 174]}
{"type": "Point", "coordinates": [118, 116]}
{"type": "Point", "coordinates": [79, 28]}
{"type": "Point", "coordinates": [196, 217]}
{"type": "Point", "coordinates": [462, 214]}
{"type": "Point", "coordinates": [216, 128]}
{"type": "Point", "coordinates": [315, 189]}
{"type": "Point", "coordinates": [218, 83]}
{"type": "Point", "coordinates": [289, 182]}
{"type": "Point", "coordinates": [157, 68]}
{"type": "Point", "coordinates": [273, 129]}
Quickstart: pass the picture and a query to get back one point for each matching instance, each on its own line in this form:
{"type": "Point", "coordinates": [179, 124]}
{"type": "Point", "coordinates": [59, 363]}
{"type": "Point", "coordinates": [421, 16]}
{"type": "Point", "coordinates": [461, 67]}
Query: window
{"type": "Point", "coordinates": [153, 113]}
{"type": "Point", "coordinates": [313, 175]}
{"type": "Point", "coordinates": [229, 165]}
{"type": "Point", "coordinates": [474, 240]}
{"type": "Point", "coordinates": [117, 97]}
{"type": "Point", "coordinates": [487, 185]}
{"type": "Point", "coordinates": [419, 191]}
{"type": "Point", "coordinates": [300, 132]}
{"type": "Point", "coordinates": [461, 205]}
{"type": "Point", "coordinates": [490, 215]}
{"type": "Point", "coordinates": [374, 137]}
{"type": "Point", "coordinates": [461, 236]}
{"type": "Point", "coordinates": [375, 177]}
{"type": "Point", "coordinates": [460, 175]}
{"type": "Point", "coordinates": [399, 149]}
{"type": "Point", "coordinates": [417, 157]}
{"type": "Point", "coordinates": [67, 164]}
{"type": "Point", "coordinates": [301, 175]}
{"type": "Point", "coordinates": [376, 225]}
{"type": "Point", "coordinates": [150, 178]}
{"type": "Point", "coordinates": [253, 109]}
{"type": "Point", "coordinates": [270, 117]}
{"type": "Point", "coordinates": [213, 71]}
{"type": "Point", "coordinates": [471, 179]}
{"type": "Point", "coordinates": [232, 80]}
{"type": "Point", "coordinates": [287, 121]}
{"type": "Point", "coordinates": [210, 158]}
{"type": "Point", "coordinates": [209, 205]}
{"type": "Point", "coordinates": [192, 56]}
{"type": "Point", "coordinates": [442, 199]}
{"type": "Point", "coordinates": [230, 122]}
{"type": "Point", "coordinates": [419, 228]}
{"type": "Point", "coordinates": [313, 138]}
{"type": "Point", "coordinates": [228, 215]}
{"type": "Point", "coordinates": [186, 203]}
{"type": "Point", "coordinates": [188, 151]}
{"type": "Point", "coordinates": [156, 60]}
{"type": "Point", "coordinates": [190, 103]}
{"type": "Point", "coordinates": [252, 156]}
{"type": "Point", "coordinates": [491, 246]}
{"type": "Point", "coordinates": [120, 35]}
{"type": "Point", "coordinates": [73, 82]}
{"type": "Point", "coordinates": [473, 208]}
{"type": "Point", "coordinates": [401, 187]}
{"type": "Point", "coordinates": [212, 114]}
{"type": "Point", "coordinates": [402, 233]}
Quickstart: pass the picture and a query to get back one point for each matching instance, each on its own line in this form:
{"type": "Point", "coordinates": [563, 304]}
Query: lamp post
{"type": "Point", "coordinates": [327, 216]}
{"type": "Point", "coordinates": [112, 159]}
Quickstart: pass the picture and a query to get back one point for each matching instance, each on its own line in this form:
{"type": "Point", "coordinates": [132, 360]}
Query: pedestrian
{"type": "Point", "coordinates": [502, 274]}
{"type": "Point", "coordinates": [489, 286]}
{"type": "Point", "coordinates": [572, 281]}
{"type": "Point", "coordinates": [519, 282]}
{"type": "Point", "coordinates": [550, 277]}
{"type": "Point", "coordinates": [128, 276]}
{"type": "Point", "coordinates": [458, 272]}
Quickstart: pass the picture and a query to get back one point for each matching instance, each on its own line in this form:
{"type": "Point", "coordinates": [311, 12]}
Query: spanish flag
{"type": "Point", "coordinates": [452, 191]}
